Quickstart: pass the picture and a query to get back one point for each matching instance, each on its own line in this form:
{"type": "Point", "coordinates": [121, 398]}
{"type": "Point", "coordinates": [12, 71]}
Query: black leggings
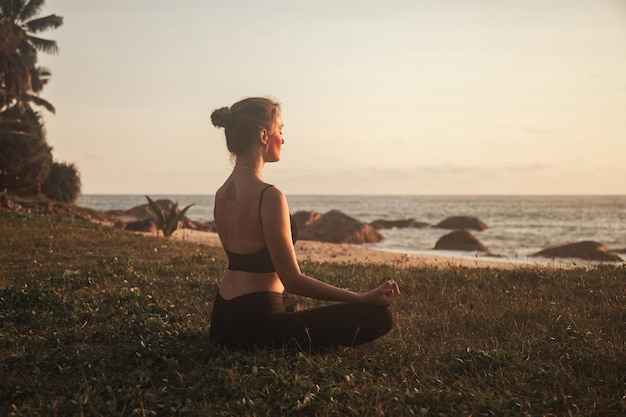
{"type": "Point", "coordinates": [259, 320]}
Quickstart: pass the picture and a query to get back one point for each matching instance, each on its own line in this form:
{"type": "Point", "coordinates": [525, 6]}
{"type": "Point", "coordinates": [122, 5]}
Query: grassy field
{"type": "Point", "coordinates": [100, 322]}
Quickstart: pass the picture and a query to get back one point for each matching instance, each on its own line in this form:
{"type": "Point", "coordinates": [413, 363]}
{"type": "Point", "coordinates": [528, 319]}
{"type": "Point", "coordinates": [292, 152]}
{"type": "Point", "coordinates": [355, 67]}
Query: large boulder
{"type": "Point", "coordinates": [207, 226]}
{"type": "Point", "coordinates": [462, 240]}
{"type": "Point", "coordinates": [141, 225]}
{"type": "Point", "coordinates": [338, 227]}
{"type": "Point", "coordinates": [141, 211]}
{"type": "Point", "coordinates": [398, 224]}
{"type": "Point", "coordinates": [304, 219]}
{"type": "Point", "coordinates": [587, 250]}
{"type": "Point", "coordinates": [462, 222]}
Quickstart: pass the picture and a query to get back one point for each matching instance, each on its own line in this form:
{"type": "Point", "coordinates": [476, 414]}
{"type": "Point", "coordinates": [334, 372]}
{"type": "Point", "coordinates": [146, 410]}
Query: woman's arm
{"type": "Point", "coordinates": [277, 233]}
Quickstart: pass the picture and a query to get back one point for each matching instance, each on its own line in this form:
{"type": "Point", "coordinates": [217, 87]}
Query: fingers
{"type": "Point", "coordinates": [393, 285]}
{"type": "Point", "coordinates": [391, 290]}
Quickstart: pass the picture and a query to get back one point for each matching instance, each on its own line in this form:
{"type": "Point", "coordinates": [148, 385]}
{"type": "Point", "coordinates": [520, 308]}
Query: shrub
{"type": "Point", "coordinates": [25, 157]}
{"type": "Point", "coordinates": [167, 222]}
{"type": "Point", "coordinates": [63, 183]}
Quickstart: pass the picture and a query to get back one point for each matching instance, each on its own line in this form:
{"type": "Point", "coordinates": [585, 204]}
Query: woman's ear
{"type": "Point", "coordinates": [263, 136]}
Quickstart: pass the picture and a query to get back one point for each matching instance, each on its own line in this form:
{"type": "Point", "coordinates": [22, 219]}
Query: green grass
{"type": "Point", "coordinates": [100, 322]}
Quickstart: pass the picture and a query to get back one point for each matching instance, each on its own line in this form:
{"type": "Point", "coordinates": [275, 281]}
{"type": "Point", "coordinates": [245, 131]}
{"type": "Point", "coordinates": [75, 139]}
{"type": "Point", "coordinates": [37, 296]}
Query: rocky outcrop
{"type": "Point", "coordinates": [44, 206]}
{"type": "Point", "coordinates": [141, 211]}
{"type": "Point", "coordinates": [129, 219]}
{"type": "Point", "coordinates": [462, 240]}
{"type": "Point", "coordinates": [208, 226]}
{"type": "Point", "coordinates": [462, 222]}
{"type": "Point", "coordinates": [200, 226]}
{"type": "Point", "coordinates": [338, 227]}
{"type": "Point", "coordinates": [398, 224]}
{"type": "Point", "coordinates": [304, 219]}
{"type": "Point", "coordinates": [141, 225]}
{"type": "Point", "coordinates": [587, 250]}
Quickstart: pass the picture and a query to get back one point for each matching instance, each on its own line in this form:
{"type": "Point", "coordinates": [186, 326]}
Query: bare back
{"type": "Point", "coordinates": [238, 223]}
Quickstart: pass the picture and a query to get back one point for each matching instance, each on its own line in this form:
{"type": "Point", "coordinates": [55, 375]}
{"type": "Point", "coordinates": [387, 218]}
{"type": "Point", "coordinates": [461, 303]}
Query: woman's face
{"type": "Point", "coordinates": [275, 140]}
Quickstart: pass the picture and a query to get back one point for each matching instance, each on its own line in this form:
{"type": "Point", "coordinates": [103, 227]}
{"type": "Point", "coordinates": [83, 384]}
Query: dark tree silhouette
{"type": "Point", "coordinates": [20, 78]}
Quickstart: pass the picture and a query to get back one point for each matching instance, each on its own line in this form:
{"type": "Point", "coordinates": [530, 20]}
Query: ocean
{"type": "Point", "coordinates": [518, 225]}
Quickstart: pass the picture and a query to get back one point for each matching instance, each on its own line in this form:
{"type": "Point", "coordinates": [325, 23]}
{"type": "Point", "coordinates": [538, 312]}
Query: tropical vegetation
{"type": "Point", "coordinates": [26, 161]}
{"type": "Point", "coordinates": [167, 221]}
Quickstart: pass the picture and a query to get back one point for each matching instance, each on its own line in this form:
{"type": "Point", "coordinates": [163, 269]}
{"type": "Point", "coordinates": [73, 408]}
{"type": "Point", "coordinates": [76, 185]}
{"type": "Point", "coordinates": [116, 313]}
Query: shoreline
{"type": "Point", "coordinates": [314, 251]}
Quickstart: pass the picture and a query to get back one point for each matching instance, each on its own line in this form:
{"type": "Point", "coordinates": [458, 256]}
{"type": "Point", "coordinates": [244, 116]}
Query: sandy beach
{"type": "Point", "coordinates": [348, 253]}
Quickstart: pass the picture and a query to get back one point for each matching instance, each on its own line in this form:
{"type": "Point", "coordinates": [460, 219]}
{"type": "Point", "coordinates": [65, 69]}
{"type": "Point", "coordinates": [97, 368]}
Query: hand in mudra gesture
{"type": "Point", "coordinates": [383, 295]}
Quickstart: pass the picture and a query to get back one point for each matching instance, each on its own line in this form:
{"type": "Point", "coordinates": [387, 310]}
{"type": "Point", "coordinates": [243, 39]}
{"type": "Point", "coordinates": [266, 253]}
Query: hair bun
{"type": "Point", "coordinates": [221, 117]}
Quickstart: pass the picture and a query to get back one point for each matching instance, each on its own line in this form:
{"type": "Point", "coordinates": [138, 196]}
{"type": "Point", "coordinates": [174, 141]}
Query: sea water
{"type": "Point", "coordinates": [518, 226]}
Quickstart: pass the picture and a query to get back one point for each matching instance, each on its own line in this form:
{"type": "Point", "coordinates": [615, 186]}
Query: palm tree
{"type": "Point", "coordinates": [20, 77]}
{"type": "Point", "coordinates": [25, 156]}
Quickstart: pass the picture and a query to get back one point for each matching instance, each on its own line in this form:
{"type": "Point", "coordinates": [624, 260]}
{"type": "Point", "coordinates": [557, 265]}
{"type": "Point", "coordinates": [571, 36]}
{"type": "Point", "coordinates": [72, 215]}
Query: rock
{"type": "Point", "coordinates": [623, 250]}
{"type": "Point", "coordinates": [462, 222]}
{"type": "Point", "coordinates": [398, 224]}
{"type": "Point", "coordinates": [120, 223]}
{"type": "Point", "coordinates": [462, 240]}
{"type": "Point", "coordinates": [141, 225]}
{"type": "Point", "coordinates": [208, 226]}
{"type": "Point", "coordinates": [587, 250]}
{"type": "Point", "coordinates": [141, 211]}
{"type": "Point", "coordinates": [9, 204]}
{"type": "Point", "coordinates": [304, 219]}
{"type": "Point", "coordinates": [337, 227]}
{"type": "Point", "coordinates": [45, 206]}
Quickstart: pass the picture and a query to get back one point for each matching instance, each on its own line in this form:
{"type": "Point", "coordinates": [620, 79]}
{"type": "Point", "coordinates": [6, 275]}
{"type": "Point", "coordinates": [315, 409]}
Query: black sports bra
{"type": "Point", "coordinates": [259, 261]}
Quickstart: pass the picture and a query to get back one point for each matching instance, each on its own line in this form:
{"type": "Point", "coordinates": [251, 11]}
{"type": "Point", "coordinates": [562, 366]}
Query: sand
{"type": "Point", "coordinates": [348, 253]}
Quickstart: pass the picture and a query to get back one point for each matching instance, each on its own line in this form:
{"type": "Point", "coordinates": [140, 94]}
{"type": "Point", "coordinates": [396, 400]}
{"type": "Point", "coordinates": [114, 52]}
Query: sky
{"type": "Point", "coordinates": [417, 97]}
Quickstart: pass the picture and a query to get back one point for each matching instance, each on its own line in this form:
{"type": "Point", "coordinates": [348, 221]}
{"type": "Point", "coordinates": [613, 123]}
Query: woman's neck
{"type": "Point", "coordinates": [250, 165]}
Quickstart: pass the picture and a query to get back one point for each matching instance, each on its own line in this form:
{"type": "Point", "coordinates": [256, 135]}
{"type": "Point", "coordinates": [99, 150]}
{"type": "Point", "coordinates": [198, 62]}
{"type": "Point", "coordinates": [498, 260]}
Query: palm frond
{"type": "Point", "coordinates": [44, 23]}
{"type": "Point", "coordinates": [38, 101]}
{"type": "Point", "coordinates": [39, 78]}
{"type": "Point", "coordinates": [45, 45]}
{"type": "Point", "coordinates": [11, 8]}
{"type": "Point", "coordinates": [30, 9]}
{"type": "Point", "coordinates": [44, 72]}
{"type": "Point", "coordinates": [4, 7]}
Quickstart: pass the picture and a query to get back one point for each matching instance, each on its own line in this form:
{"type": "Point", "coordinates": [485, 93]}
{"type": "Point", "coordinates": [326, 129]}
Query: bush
{"type": "Point", "coordinates": [25, 157]}
{"type": "Point", "coordinates": [24, 165]}
{"type": "Point", "coordinates": [63, 183]}
{"type": "Point", "coordinates": [167, 221]}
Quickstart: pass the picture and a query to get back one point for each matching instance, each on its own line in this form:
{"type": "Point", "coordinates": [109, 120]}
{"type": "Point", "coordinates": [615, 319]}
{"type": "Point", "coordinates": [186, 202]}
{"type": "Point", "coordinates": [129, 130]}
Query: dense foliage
{"type": "Point", "coordinates": [63, 182]}
{"type": "Point", "coordinates": [21, 79]}
{"type": "Point", "coordinates": [25, 157]}
{"type": "Point", "coordinates": [97, 321]}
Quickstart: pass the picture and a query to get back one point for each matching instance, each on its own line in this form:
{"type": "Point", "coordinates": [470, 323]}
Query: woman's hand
{"type": "Point", "coordinates": [384, 295]}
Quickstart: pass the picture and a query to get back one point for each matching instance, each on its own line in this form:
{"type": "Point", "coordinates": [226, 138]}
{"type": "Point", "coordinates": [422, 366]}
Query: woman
{"type": "Point", "coordinates": [253, 221]}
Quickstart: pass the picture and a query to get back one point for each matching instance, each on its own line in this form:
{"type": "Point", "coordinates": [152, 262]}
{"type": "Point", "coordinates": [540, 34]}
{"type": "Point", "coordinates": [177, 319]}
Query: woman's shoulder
{"type": "Point", "coordinates": [273, 196]}
{"type": "Point", "coordinates": [271, 189]}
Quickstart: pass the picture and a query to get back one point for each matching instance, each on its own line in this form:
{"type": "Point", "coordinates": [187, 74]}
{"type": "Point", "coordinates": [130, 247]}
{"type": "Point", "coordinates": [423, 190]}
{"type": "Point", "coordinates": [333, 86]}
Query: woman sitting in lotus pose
{"type": "Point", "coordinates": [254, 225]}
